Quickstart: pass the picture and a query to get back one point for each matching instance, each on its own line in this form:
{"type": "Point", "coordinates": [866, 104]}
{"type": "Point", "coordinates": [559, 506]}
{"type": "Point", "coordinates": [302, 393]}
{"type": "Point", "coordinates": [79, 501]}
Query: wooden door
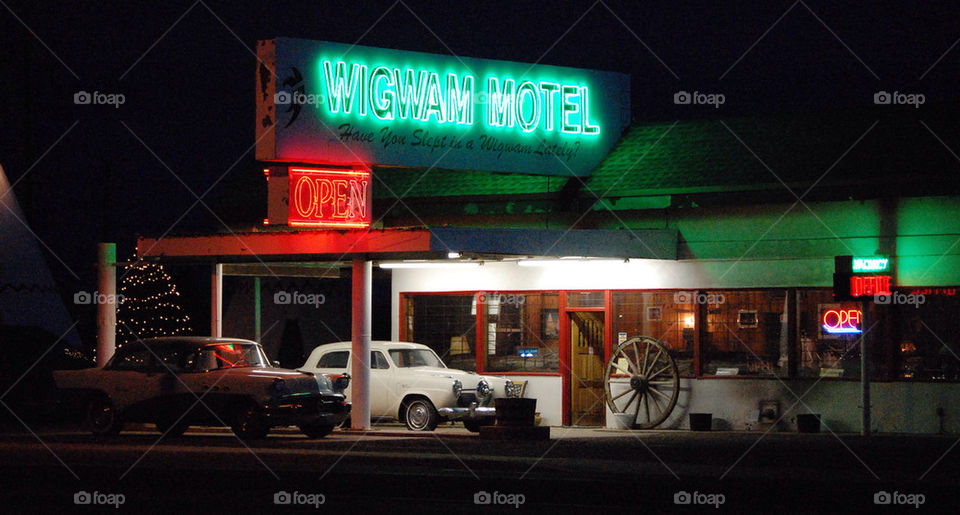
{"type": "Point", "coordinates": [586, 368]}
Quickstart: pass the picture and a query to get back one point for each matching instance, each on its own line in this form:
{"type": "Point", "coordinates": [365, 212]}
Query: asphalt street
{"type": "Point", "coordinates": [54, 469]}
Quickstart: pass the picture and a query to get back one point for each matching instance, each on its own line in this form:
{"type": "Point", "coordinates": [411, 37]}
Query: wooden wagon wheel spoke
{"type": "Point", "coordinates": [658, 372]}
{"type": "Point", "coordinates": [654, 381]}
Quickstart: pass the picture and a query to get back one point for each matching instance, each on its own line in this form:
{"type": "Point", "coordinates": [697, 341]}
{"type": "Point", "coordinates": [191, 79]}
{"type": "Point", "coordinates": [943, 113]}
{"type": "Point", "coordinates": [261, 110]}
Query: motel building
{"type": "Point", "coordinates": [525, 225]}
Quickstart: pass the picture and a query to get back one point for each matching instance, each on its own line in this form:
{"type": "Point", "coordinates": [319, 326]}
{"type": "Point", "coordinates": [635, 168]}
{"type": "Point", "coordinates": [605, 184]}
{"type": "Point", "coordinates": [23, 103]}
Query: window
{"type": "Point", "coordinates": [445, 323]}
{"type": "Point", "coordinates": [176, 358]}
{"type": "Point", "coordinates": [522, 333]}
{"type": "Point", "coordinates": [231, 355]}
{"type": "Point", "coordinates": [746, 332]}
{"type": "Point", "coordinates": [407, 358]}
{"type": "Point", "coordinates": [336, 359]}
{"type": "Point", "coordinates": [136, 359]}
{"type": "Point", "coordinates": [929, 330]}
{"type": "Point", "coordinates": [667, 316]}
{"type": "Point", "coordinates": [378, 360]}
{"type": "Point", "coordinates": [829, 339]}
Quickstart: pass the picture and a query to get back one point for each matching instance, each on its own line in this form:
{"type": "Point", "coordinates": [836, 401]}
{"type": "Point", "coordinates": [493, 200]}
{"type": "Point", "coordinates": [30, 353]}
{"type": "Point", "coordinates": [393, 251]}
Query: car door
{"type": "Point", "coordinates": [133, 382]}
{"type": "Point", "coordinates": [383, 387]}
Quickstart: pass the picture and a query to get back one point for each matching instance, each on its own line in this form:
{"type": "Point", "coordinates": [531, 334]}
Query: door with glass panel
{"type": "Point", "coordinates": [586, 368]}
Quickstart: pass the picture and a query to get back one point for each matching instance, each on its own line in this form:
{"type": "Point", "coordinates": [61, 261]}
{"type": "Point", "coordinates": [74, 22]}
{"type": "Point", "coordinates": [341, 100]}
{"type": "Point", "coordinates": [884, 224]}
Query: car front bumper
{"type": "Point", "coordinates": [308, 409]}
{"type": "Point", "coordinates": [472, 412]}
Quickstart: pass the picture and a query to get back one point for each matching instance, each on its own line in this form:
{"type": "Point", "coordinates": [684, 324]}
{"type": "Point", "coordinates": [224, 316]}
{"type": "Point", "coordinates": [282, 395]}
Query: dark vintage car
{"type": "Point", "coordinates": [177, 382]}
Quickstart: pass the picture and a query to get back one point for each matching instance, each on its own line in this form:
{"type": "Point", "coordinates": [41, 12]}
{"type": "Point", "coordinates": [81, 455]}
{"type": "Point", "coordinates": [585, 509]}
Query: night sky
{"type": "Point", "coordinates": [186, 71]}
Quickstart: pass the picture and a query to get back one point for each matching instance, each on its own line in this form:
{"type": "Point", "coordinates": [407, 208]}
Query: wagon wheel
{"type": "Point", "coordinates": [642, 379]}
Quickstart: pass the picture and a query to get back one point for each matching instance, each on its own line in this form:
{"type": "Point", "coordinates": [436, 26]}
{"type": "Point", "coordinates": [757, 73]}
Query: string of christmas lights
{"type": "Point", "coordinates": [149, 304]}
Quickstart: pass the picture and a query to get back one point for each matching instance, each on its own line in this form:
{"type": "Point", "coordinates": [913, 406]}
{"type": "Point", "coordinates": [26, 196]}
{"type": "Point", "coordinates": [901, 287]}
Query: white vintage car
{"type": "Point", "coordinates": [409, 382]}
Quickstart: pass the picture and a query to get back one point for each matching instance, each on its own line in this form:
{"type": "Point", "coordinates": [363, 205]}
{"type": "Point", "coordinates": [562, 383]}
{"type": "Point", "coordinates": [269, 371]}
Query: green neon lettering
{"type": "Point", "coordinates": [340, 86]}
{"type": "Point", "coordinates": [460, 99]}
{"type": "Point", "coordinates": [528, 124]}
{"type": "Point", "coordinates": [500, 102]}
{"type": "Point", "coordinates": [384, 110]}
{"type": "Point", "coordinates": [569, 108]}
{"type": "Point", "coordinates": [411, 89]}
{"type": "Point", "coordinates": [585, 106]}
{"type": "Point", "coordinates": [434, 98]}
{"type": "Point", "coordinates": [548, 89]}
{"type": "Point", "coordinates": [362, 104]}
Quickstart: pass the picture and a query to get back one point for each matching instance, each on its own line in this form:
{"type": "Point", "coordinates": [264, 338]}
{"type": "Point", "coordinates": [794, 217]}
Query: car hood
{"type": "Point", "coordinates": [469, 379]}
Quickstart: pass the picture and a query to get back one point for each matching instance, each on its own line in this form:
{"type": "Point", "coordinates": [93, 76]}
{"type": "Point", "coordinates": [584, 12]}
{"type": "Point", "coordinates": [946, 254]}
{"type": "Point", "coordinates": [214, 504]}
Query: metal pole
{"type": "Point", "coordinates": [360, 369]}
{"type": "Point", "coordinates": [107, 309]}
{"type": "Point", "coordinates": [256, 310]}
{"type": "Point", "coordinates": [216, 301]}
{"type": "Point", "coordinates": [864, 369]}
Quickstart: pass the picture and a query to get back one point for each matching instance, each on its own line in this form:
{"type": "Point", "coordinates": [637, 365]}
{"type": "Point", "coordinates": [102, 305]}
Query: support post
{"type": "Point", "coordinates": [106, 311]}
{"type": "Point", "coordinates": [360, 369]}
{"type": "Point", "coordinates": [864, 369]}
{"type": "Point", "coordinates": [216, 301]}
{"type": "Point", "coordinates": [256, 310]}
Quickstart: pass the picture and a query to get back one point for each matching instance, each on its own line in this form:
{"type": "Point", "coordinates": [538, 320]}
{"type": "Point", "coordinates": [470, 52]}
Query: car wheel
{"type": "Point", "coordinates": [314, 431]}
{"type": "Point", "coordinates": [249, 424]}
{"type": "Point", "coordinates": [102, 417]}
{"type": "Point", "coordinates": [420, 415]}
{"type": "Point", "coordinates": [169, 428]}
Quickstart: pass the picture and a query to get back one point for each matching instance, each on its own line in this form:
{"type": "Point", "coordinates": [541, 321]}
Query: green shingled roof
{"type": "Point", "coordinates": [739, 154]}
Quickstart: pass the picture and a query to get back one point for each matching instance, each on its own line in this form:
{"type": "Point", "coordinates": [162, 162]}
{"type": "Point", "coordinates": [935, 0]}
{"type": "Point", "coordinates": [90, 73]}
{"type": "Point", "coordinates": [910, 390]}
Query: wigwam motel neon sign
{"type": "Point", "coordinates": [346, 105]}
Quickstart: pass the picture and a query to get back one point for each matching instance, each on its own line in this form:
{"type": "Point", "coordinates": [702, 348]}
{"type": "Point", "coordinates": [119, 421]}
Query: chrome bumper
{"type": "Point", "coordinates": [473, 412]}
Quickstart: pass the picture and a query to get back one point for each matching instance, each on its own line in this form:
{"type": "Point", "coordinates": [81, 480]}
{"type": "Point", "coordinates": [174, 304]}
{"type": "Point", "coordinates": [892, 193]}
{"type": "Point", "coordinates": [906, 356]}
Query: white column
{"type": "Point", "coordinates": [361, 318]}
{"type": "Point", "coordinates": [107, 310]}
{"type": "Point", "coordinates": [216, 301]}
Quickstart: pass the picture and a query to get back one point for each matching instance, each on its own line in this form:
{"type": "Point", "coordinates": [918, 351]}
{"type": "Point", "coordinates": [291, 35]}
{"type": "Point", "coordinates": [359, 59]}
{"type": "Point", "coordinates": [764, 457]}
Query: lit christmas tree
{"type": "Point", "coordinates": [150, 304]}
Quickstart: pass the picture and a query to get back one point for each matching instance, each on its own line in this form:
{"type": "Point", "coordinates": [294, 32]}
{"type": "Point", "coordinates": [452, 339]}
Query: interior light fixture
{"type": "Point", "coordinates": [453, 255]}
{"type": "Point", "coordinates": [429, 264]}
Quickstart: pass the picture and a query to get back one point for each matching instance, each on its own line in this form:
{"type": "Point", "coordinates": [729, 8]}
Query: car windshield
{"type": "Point", "coordinates": [405, 358]}
{"type": "Point", "coordinates": [231, 355]}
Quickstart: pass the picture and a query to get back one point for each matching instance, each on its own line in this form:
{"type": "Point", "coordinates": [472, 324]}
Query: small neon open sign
{"type": "Point", "coordinates": [841, 321]}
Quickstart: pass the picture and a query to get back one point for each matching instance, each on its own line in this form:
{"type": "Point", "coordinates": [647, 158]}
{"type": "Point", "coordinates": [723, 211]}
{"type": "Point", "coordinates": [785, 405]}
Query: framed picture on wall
{"type": "Point", "coordinates": [549, 324]}
{"type": "Point", "coordinates": [747, 318]}
{"type": "Point", "coordinates": [654, 313]}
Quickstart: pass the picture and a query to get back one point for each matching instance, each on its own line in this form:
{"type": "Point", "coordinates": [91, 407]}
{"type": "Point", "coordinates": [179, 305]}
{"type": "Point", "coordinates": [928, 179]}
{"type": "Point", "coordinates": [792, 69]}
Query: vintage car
{"type": "Point", "coordinates": [409, 382]}
{"type": "Point", "coordinates": [176, 382]}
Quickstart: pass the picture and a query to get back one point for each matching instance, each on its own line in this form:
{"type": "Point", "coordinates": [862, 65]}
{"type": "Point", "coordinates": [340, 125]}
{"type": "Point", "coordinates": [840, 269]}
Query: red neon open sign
{"type": "Point", "coordinates": [329, 198]}
{"type": "Point", "coordinates": [841, 321]}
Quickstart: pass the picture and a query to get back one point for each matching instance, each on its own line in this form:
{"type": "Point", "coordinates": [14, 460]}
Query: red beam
{"type": "Point", "coordinates": [301, 243]}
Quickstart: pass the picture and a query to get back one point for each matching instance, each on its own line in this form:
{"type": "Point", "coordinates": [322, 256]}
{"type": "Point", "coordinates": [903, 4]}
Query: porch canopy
{"type": "Point", "coordinates": [263, 246]}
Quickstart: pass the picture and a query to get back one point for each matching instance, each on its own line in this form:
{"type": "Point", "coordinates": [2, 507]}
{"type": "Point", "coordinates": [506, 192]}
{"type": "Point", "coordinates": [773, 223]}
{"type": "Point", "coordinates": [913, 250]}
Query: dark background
{"type": "Point", "coordinates": [187, 72]}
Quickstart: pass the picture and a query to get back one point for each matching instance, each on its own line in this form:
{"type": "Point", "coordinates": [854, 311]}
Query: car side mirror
{"type": "Point", "coordinates": [342, 381]}
{"type": "Point", "coordinates": [275, 363]}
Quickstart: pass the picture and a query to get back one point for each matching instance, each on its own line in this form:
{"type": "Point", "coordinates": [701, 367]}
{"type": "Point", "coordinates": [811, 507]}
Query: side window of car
{"type": "Point", "coordinates": [378, 360]}
{"type": "Point", "coordinates": [337, 359]}
{"type": "Point", "coordinates": [173, 359]}
{"type": "Point", "coordinates": [137, 361]}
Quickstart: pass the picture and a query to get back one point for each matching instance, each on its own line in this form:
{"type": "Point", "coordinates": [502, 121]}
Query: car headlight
{"type": "Point", "coordinates": [483, 388]}
{"type": "Point", "coordinates": [457, 387]}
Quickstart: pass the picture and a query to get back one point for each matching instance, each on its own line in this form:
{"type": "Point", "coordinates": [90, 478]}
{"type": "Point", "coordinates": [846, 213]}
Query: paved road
{"type": "Point", "coordinates": [575, 471]}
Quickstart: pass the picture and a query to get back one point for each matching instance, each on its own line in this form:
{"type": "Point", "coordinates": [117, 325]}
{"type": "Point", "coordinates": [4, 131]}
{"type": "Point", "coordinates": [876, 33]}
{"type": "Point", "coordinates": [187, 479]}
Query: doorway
{"type": "Point", "coordinates": [586, 368]}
